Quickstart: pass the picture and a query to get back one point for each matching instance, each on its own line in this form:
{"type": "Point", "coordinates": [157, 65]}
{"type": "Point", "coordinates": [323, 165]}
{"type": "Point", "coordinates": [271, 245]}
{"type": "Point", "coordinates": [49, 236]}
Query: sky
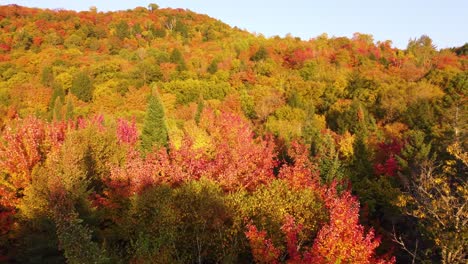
{"type": "Point", "coordinates": [444, 21]}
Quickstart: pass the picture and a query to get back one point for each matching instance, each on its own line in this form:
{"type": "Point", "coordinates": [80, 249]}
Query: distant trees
{"type": "Point", "coordinates": [250, 152]}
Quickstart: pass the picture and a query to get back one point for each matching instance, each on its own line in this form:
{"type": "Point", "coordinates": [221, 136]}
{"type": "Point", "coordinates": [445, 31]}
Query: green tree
{"type": "Point", "coordinates": [122, 30]}
{"type": "Point", "coordinates": [70, 110]}
{"type": "Point", "coordinates": [82, 87]}
{"type": "Point", "coordinates": [200, 107]}
{"type": "Point", "coordinates": [213, 67]}
{"type": "Point", "coordinates": [153, 7]}
{"type": "Point", "coordinates": [260, 55]}
{"type": "Point", "coordinates": [177, 58]}
{"type": "Point", "coordinates": [57, 93]}
{"type": "Point", "coordinates": [57, 113]}
{"type": "Point", "coordinates": [422, 48]}
{"type": "Point", "coordinates": [47, 77]}
{"type": "Point", "coordinates": [155, 129]}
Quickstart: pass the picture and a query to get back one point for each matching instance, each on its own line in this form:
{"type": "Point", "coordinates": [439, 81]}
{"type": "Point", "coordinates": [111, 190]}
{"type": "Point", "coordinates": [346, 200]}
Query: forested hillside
{"type": "Point", "coordinates": [165, 136]}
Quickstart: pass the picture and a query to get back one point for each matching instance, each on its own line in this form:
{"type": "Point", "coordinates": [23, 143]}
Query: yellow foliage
{"type": "Point", "coordinates": [395, 130]}
{"type": "Point", "coordinates": [175, 134]}
{"type": "Point", "coordinates": [201, 139]}
{"type": "Point", "coordinates": [346, 143]}
{"type": "Point", "coordinates": [65, 80]}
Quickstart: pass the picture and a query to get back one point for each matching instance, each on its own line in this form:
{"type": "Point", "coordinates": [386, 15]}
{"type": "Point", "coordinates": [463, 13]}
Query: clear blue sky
{"type": "Point", "coordinates": [445, 21]}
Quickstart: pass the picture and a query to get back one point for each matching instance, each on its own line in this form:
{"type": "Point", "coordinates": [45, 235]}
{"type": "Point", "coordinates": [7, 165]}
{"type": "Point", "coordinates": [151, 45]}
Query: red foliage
{"type": "Point", "coordinates": [97, 121]}
{"type": "Point", "coordinates": [389, 168]}
{"type": "Point", "coordinates": [385, 162]}
{"type": "Point", "coordinates": [297, 58]}
{"type": "Point", "coordinates": [442, 61]}
{"type": "Point", "coordinates": [240, 160]}
{"type": "Point", "coordinates": [127, 132]}
{"type": "Point", "coordinates": [37, 41]}
{"type": "Point", "coordinates": [5, 47]}
{"type": "Point", "coordinates": [262, 248]}
{"type": "Point", "coordinates": [342, 240]}
{"type": "Point", "coordinates": [291, 231]}
{"type": "Point", "coordinates": [22, 147]}
{"type": "Point", "coordinates": [139, 173]}
{"type": "Point", "coordinates": [302, 172]}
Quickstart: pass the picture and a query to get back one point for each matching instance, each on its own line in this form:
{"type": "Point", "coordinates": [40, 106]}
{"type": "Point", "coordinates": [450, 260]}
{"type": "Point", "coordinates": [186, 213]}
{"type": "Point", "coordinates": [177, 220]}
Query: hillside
{"type": "Point", "coordinates": [165, 136]}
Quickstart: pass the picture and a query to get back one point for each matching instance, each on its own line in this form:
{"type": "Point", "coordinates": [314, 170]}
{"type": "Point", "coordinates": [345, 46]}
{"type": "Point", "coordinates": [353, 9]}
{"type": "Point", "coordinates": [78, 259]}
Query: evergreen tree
{"type": "Point", "coordinates": [155, 129]}
{"type": "Point", "coordinates": [200, 107]}
{"type": "Point", "coordinates": [57, 114]}
{"type": "Point", "coordinates": [70, 110]}
{"type": "Point", "coordinates": [57, 93]}
{"type": "Point", "coordinates": [213, 67]}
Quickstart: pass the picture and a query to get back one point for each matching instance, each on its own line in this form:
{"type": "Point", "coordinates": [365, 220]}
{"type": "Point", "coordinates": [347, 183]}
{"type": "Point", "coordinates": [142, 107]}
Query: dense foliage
{"type": "Point", "coordinates": [163, 136]}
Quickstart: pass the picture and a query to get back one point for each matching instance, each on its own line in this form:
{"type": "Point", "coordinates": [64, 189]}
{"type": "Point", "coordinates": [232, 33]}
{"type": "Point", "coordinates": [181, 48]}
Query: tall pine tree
{"type": "Point", "coordinates": [70, 112]}
{"type": "Point", "coordinates": [155, 129]}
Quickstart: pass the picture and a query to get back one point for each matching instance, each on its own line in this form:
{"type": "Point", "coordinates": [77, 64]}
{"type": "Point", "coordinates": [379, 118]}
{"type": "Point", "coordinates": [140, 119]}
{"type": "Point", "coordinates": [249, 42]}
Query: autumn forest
{"type": "Point", "coordinates": [159, 135]}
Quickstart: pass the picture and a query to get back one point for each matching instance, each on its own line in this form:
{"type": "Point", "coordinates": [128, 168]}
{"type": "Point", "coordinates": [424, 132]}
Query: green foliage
{"type": "Point", "coordinates": [414, 153]}
{"type": "Point", "coordinates": [189, 224]}
{"type": "Point", "coordinates": [260, 55]}
{"type": "Point", "coordinates": [247, 104]}
{"type": "Point", "coordinates": [422, 48]}
{"type": "Point", "coordinates": [146, 72]}
{"type": "Point", "coordinates": [152, 228]}
{"type": "Point", "coordinates": [155, 133]}
{"type": "Point", "coordinates": [69, 112]}
{"type": "Point", "coordinates": [153, 7]}
{"type": "Point", "coordinates": [207, 223]}
{"type": "Point", "coordinates": [200, 106]}
{"type": "Point", "coordinates": [309, 72]}
{"type": "Point", "coordinates": [57, 111]}
{"type": "Point", "coordinates": [122, 30]}
{"type": "Point", "coordinates": [57, 93]}
{"type": "Point", "coordinates": [187, 91]}
{"type": "Point", "coordinates": [325, 152]}
{"type": "Point", "coordinates": [73, 41]}
{"type": "Point", "coordinates": [421, 115]}
{"type": "Point", "coordinates": [177, 58]}
{"type": "Point", "coordinates": [37, 242]}
{"type": "Point", "coordinates": [286, 123]}
{"type": "Point", "coordinates": [47, 76]}
{"type": "Point", "coordinates": [213, 67]}
{"type": "Point", "coordinates": [76, 241]}
{"type": "Point", "coordinates": [82, 87]}
{"type": "Point", "coordinates": [181, 28]}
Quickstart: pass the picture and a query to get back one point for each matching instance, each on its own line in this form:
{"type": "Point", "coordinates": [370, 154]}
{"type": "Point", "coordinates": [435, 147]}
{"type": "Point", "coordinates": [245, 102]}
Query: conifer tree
{"type": "Point", "coordinates": [57, 113]}
{"type": "Point", "coordinates": [200, 107]}
{"type": "Point", "coordinates": [69, 110]}
{"type": "Point", "coordinates": [155, 129]}
{"type": "Point", "coordinates": [57, 93]}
